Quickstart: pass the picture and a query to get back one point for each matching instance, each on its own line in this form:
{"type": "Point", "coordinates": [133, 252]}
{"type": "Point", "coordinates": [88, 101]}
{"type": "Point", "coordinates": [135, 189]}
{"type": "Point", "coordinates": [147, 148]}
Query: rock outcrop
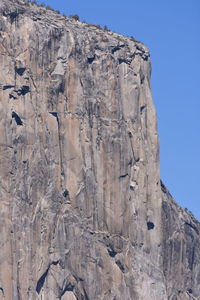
{"type": "Point", "coordinates": [83, 214]}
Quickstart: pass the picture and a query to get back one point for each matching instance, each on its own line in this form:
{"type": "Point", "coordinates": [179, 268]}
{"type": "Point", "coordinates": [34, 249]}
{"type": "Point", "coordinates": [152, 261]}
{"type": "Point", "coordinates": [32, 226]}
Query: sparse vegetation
{"type": "Point", "coordinates": [42, 4]}
{"type": "Point", "coordinates": [105, 28]}
{"type": "Point", "coordinates": [49, 7]}
{"type": "Point", "coordinates": [96, 25]}
{"type": "Point", "coordinates": [132, 38]}
{"type": "Point", "coordinates": [75, 17]}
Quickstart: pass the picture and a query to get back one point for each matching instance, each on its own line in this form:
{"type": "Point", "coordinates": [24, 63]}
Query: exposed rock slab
{"type": "Point", "coordinates": [83, 213]}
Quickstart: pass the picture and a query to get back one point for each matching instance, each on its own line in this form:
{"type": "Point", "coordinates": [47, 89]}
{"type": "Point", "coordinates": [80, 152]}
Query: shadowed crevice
{"type": "Point", "coordinates": [2, 290]}
{"type": "Point", "coordinates": [41, 281]}
{"type": "Point", "coordinates": [117, 48]}
{"type": "Point", "coordinates": [23, 90]}
{"type": "Point", "coordinates": [111, 251]}
{"type": "Point", "coordinates": [68, 288]}
{"type": "Point", "coordinates": [5, 87]}
{"type": "Point", "coordinates": [65, 193]}
{"type": "Point", "coordinates": [54, 114]}
{"type": "Point", "coordinates": [120, 265]}
{"type": "Point", "coordinates": [17, 118]}
{"type": "Point", "coordinates": [192, 226]}
{"type": "Point", "coordinates": [150, 225]}
{"type": "Point", "coordinates": [123, 175]}
{"type": "Point", "coordinates": [20, 71]}
{"type": "Point", "coordinates": [91, 59]}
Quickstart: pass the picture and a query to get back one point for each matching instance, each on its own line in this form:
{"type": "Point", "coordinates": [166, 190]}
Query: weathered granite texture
{"type": "Point", "coordinates": [82, 212]}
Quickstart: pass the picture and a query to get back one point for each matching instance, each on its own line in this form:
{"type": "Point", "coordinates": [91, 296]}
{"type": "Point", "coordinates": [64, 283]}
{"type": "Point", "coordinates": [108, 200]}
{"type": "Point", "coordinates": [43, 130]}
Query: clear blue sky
{"type": "Point", "coordinates": [171, 30]}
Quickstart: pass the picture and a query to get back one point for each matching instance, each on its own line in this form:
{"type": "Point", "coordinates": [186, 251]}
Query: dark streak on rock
{"type": "Point", "coordinates": [120, 265]}
{"type": "Point", "coordinates": [55, 263]}
{"type": "Point", "coordinates": [17, 119]}
{"type": "Point", "coordinates": [5, 87]}
{"type": "Point", "coordinates": [164, 189]}
{"type": "Point", "coordinates": [68, 288]}
{"type": "Point", "coordinates": [91, 59]}
{"type": "Point", "coordinates": [130, 134]}
{"type": "Point", "coordinates": [117, 48]}
{"type": "Point", "coordinates": [111, 252]}
{"type": "Point", "coordinates": [12, 15]}
{"type": "Point", "coordinates": [66, 193]}
{"type": "Point", "coordinates": [142, 108]}
{"type": "Point", "coordinates": [53, 113]}
{"type": "Point", "coordinates": [11, 96]}
{"type": "Point", "coordinates": [150, 225]}
{"type": "Point", "coordinates": [20, 71]}
{"type": "Point", "coordinates": [23, 90]}
{"type": "Point", "coordinates": [41, 281]}
{"type": "Point", "coordinates": [123, 60]}
{"type": "Point", "coordinates": [192, 226]}
{"type": "Point", "coordinates": [123, 176]}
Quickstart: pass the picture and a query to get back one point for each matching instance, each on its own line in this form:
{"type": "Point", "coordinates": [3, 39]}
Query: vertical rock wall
{"type": "Point", "coordinates": [82, 212]}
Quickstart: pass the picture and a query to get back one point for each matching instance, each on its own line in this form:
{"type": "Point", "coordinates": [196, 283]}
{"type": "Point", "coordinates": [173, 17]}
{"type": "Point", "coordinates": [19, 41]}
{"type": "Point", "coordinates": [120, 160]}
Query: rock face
{"type": "Point", "coordinates": [83, 214]}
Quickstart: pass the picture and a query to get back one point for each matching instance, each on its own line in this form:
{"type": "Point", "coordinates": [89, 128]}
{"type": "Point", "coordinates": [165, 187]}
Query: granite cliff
{"type": "Point", "coordinates": [83, 213]}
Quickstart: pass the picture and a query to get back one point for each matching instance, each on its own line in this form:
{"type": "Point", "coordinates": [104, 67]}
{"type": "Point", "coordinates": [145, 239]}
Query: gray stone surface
{"type": "Point", "coordinates": [82, 212]}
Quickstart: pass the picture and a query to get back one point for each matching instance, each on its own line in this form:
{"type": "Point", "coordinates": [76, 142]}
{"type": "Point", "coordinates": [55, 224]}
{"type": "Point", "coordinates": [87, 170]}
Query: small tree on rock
{"type": "Point", "coordinates": [75, 17]}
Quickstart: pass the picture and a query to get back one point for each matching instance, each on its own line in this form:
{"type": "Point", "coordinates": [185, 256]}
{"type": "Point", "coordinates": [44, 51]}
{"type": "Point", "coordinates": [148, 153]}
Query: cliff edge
{"type": "Point", "coordinates": [83, 213]}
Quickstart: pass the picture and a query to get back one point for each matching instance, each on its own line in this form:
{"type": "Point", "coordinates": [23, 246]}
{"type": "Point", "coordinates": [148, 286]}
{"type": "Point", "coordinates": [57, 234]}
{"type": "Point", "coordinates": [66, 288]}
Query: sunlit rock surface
{"type": "Point", "coordinates": [83, 215]}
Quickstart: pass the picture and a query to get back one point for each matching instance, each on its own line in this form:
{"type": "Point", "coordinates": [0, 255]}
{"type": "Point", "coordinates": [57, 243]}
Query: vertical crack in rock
{"type": "Point", "coordinates": [55, 114]}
